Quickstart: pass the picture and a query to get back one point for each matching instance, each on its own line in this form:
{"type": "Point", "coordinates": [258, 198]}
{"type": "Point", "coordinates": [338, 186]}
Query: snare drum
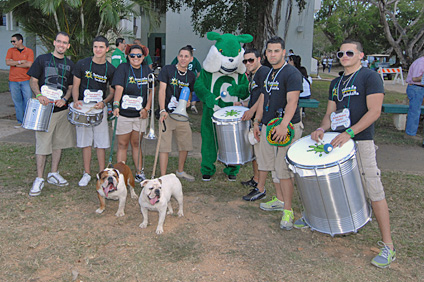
{"type": "Point", "coordinates": [37, 116]}
{"type": "Point", "coordinates": [86, 116]}
{"type": "Point", "coordinates": [329, 185]}
{"type": "Point", "coordinates": [232, 136]}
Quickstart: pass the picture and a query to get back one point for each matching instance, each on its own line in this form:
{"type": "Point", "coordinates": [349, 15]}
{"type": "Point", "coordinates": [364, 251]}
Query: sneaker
{"type": "Point", "coordinates": [84, 180]}
{"type": "Point", "coordinates": [140, 177]}
{"type": "Point", "coordinates": [254, 195]}
{"type": "Point", "coordinates": [56, 179]}
{"type": "Point", "coordinates": [385, 257]}
{"type": "Point", "coordinates": [194, 109]}
{"type": "Point", "coordinates": [273, 205]}
{"type": "Point", "coordinates": [250, 182]}
{"type": "Point", "coordinates": [300, 224]}
{"type": "Point", "coordinates": [206, 177]}
{"type": "Point", "coordinates": [287, 220]}
{"type": "Point", "coordinates": [232, 178]}
{"type": "Point", "coordinates": [37, 186]}
{"type": "Point", "coordinates": [185, 176]}
{"type": "Point", "coordinates": [19, 125]}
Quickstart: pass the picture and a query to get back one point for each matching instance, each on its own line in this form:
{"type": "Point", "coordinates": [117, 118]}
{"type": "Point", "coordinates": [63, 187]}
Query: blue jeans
{"type": "Point", "coordinates": [21, 93]}
{"type": "Point", "coordinates": [415, 96]}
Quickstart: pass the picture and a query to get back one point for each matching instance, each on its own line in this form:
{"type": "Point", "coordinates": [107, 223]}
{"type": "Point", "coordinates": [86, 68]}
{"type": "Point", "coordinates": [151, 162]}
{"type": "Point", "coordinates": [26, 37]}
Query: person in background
{"type": "Point", "coordinates": [415, 92]}
{"type": "Point", "coordinates": [330, 63]}
{"type": "Point", "coordinates": [118, 56]}
{"type": "Point", "coordinates": [19, 58]}
{"type": "Point", "coordinates": [296, 61]}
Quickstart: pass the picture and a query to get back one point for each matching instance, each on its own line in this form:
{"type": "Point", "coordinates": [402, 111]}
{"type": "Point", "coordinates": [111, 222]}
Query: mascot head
{"type": "Point", "coordinates": [226, 55]}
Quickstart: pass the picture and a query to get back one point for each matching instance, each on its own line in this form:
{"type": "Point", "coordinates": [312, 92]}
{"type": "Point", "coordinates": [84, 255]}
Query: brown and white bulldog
{"type": "Point", "coordinates": [156, 196]}
{"type": "Point", "coordinates": [112, 184]}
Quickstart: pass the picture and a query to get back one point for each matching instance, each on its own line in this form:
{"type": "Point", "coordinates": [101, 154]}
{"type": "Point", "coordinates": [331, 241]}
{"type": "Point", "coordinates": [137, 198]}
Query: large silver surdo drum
{"type": "Point", "coordinates": [329, 185]}
{"type": "Point", "coordinates": [232, 136]}
{"type": "Point", "coordinates": [37, 116]}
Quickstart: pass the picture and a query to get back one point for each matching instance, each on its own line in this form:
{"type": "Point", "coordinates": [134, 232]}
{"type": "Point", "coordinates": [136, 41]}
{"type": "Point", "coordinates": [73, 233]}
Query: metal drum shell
{"type": "Point", "coordinates": [37, 116]}
{"type": "Point", "coordinates": [233, 141]}
{"type": "Point", "coordinates": [79, 118]}
{"type": "Point", "coordinates": [332, 195]}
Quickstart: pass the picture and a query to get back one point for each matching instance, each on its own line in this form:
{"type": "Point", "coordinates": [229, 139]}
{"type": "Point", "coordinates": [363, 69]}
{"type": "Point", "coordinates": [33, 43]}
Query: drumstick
{"type": "Point", "coordinates": [222, 95]}
{"type": "Point", "coordinates": [92, 108]}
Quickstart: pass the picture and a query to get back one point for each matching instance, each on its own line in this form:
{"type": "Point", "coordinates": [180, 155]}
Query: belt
{"type": "Point", "coordinates": [417, 85]}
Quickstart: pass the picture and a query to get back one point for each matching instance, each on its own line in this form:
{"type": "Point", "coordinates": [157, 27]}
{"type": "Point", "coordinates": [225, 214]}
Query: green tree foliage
{"type": "Point", "coordinates": [341, 19]}
{"type": "Point", "coordinates": [81, 19]}
{"type": "Point", "coordinates": [258, 18]}
{"type": "Point", "coordinates": [403, 26]}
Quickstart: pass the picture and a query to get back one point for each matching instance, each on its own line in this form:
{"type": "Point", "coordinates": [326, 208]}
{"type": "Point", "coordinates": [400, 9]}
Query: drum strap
{"type": "Point", "coordinates": [113, 141]}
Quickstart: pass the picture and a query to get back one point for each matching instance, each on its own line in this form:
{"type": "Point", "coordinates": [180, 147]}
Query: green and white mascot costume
{"type": "Point", "coordinates": [223, 70]}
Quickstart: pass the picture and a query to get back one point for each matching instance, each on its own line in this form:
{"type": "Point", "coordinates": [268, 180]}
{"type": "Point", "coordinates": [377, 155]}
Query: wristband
{"type": "Point", "coordinates": [64, 99]}
{"type": "Point", "coordinates": [38, 95]}
{"type": "Point", "coordinates": [319, 128]}
{"type": "Point", "coordinates": [350, 132]}
{"type": "Point", "coordinates": [161, 111]}
{"type": "Point", "coordinates": [104, 104]}
{"type": "Point", "coordinates": [115, 103]}
{"type": "Point", "coordinates": [115, 107]}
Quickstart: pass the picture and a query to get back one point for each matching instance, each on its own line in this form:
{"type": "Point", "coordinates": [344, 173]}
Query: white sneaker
{"type": "Point", "coordinates": [37, 186]}
{"type": "Point", "coordinates": [194, 109]}
{"type": "Point", "coordinates": [184, 175]}
{"type": "Point", "coordinates": [56, 179]}
{"type": "Point", "coordinates": [84, 180]}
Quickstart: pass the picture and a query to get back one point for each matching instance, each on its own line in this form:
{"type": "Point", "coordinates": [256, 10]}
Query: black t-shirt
{"type": "Point", "coordinates": [93, 76]}
{"type": "Point", "coordinates": [351, 92]}
{"type": "Point", "coordinates": [275, 91]}
{"type": "Point", "coordinates": [256, 86]}
{"type": "Point", "coordinates": [175, 82]}
{"type": "Point", "coordinates": [135, 84]}
{"type": "Point", "coordinates": [53, 72]}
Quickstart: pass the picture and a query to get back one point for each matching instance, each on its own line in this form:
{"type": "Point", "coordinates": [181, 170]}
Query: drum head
{"type": "Point", "coordinates": [86, 108]}
{"type": "Point", "coordinates": [307, 153]}
{"type": "Point", "coordinates": [227, 114]}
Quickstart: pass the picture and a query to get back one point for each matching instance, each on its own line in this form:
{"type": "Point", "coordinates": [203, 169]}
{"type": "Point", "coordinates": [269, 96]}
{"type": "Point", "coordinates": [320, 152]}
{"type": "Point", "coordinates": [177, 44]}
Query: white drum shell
{"type": "Point", "coordinates": [332, 194]}
{"type": "Point", "coordinates": [232, 138]}
{"type": "Point", "coordinates": [84, 118]}
{"type": "Point", "coordinates": [37, 116]}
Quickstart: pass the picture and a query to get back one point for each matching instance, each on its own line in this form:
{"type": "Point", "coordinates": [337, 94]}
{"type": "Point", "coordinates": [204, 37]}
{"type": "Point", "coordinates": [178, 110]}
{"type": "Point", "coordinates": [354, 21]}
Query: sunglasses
{"type": "Point", "coordinates": [12, 41]}
{"type": "Point", "coordinates": [349, 54]}
{"type": "Point", "coordinates": [132, 56]}
{"type": "Point", "coordinates": [248, 60]}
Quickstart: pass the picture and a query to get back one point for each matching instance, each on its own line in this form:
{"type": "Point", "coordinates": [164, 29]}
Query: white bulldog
{"type": "Point", "coordinates": [156, 196]}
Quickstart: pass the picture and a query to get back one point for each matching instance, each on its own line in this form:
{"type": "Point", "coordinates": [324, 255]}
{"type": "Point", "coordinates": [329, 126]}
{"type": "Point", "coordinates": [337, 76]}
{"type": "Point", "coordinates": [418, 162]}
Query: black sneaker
{"type": "Point", "coordinates": [254, 195]}
{"type": "Point", "coordinates": [250, 182]}
{"type": "Point", "coordinates": [232, 177]}
{"type": "Point", "coordinates": [206, 177]}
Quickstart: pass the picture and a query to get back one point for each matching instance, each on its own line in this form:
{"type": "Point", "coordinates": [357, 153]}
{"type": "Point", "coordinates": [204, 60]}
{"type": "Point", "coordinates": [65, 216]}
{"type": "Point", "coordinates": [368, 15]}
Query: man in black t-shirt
{"type": "Point", "coordinates": [172, 80]}
{"type": "Point", "coordinates": [257, 74]}
{"type": "Point", "coordinates": [283, 85]}
{"type": "Point", "coordinates": [354, 104]}
{"type": "Point", "coordinates": [51, 81]}
{"type": "Point", "coordinates": [92, 79]}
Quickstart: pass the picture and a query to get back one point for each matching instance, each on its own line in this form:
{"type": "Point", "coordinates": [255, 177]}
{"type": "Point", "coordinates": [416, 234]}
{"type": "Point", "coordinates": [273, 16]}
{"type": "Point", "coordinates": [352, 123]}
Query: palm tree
{"type": "Point", "coordinates": [81, 19]}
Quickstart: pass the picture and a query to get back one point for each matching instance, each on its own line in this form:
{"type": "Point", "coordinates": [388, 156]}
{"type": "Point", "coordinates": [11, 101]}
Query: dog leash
{"type": "Point", "coordinates": [157, 147]}
{"type": "Point", "coordinates": [113, 141]}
